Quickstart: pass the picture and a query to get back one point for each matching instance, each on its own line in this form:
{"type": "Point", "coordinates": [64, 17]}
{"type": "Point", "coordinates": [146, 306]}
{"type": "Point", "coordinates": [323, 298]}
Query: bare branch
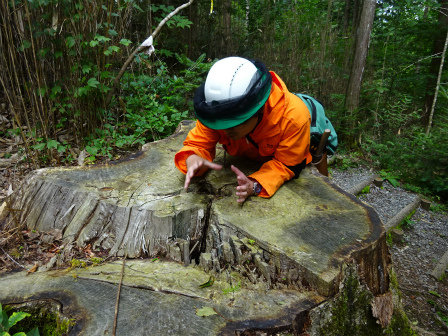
{"type": "Point", "coordinates": [140, 49]}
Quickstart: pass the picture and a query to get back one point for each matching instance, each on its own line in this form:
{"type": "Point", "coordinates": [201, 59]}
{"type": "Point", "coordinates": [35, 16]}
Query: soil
{"type": "Point", "coordinates": [424, 242]}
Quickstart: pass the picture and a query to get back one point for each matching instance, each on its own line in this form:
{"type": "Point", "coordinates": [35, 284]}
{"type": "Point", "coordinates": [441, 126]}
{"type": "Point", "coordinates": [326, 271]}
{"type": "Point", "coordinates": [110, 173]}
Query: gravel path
{"type": "Point", "coordinates": [425, 241]}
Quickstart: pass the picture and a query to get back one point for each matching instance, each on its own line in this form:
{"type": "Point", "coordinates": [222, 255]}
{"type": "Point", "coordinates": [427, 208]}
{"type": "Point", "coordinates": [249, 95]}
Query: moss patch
{"type": "Point", "coordinates": [350, 312]}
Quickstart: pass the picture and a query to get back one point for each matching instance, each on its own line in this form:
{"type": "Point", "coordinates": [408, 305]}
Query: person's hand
{"type": "Point", "coordinates": [245, 185]}
{"type": "Point", "coordinates": [194, 163]}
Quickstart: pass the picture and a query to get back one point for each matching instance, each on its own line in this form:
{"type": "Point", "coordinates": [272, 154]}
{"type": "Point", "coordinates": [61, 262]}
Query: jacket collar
{"type": "Point", "coordinates": [273, 107]}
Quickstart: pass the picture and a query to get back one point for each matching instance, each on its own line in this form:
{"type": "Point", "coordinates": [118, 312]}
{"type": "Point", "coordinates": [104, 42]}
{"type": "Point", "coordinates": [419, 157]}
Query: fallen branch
{"type": "Point", "coordinates": [217, 312]}
{"type": "Point", "coordinates": [141, 48]}
{"type": "Point", "coordinates": [15, 262]}
{"type": "Point", "coordinates": [118, 298]}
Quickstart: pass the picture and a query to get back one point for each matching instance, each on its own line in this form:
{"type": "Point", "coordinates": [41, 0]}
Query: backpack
{"type": "Point", "coordinates": [319, 122]}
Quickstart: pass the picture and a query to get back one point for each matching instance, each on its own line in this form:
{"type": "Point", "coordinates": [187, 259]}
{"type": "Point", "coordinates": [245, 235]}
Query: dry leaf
{"type": "Point", "coordinates": [106, 189]}
{"type": "Point", "coordinates": [32, 270]}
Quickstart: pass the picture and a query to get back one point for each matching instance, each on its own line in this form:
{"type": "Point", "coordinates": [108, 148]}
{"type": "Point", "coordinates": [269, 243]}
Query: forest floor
{"type": "Point", "coordinates": [425, 241]}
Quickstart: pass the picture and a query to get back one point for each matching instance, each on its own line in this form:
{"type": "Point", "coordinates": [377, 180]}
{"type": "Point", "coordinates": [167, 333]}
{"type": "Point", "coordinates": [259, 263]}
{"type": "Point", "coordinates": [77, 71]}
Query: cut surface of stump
{"type": "Point", "coordinates": [309, 224]}
{"type": "Point", "coordinates": [300, 240]}
{"type": "Point", "coordinates": [163, 297]}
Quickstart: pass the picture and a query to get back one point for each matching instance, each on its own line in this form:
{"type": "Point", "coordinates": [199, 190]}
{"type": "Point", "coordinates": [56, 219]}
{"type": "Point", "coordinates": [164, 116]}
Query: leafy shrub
{"type": "Point", "coordinates": [417, 159]}
{"type": "Point", "coordinates": [6, 323]}
{"type": "Point", "coordinates": [153, 107]}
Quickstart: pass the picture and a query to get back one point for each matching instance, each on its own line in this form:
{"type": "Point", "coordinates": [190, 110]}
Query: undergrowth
{"type": "Point", "coordinates": [147, 108]}
{"type": "Point", "coordinates": [418, 160]}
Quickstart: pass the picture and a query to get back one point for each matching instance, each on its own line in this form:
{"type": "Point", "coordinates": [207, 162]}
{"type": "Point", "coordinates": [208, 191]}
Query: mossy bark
{"type": "Point", "coordinates": [350, 312]}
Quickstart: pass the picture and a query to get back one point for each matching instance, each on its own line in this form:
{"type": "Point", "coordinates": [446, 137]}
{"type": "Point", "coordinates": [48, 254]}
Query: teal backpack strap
{"type": "Point", "coordinates": [319, 122]}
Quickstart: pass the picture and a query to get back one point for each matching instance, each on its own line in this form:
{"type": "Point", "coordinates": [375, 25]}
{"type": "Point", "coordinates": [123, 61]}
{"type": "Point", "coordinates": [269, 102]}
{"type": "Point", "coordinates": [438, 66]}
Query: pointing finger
{"type": "Point", "coordinates": [212, 165]}
{"type": "Point", "coordinates": [190, 173]}
{"type": "Point", "coordinates": [238, 172]}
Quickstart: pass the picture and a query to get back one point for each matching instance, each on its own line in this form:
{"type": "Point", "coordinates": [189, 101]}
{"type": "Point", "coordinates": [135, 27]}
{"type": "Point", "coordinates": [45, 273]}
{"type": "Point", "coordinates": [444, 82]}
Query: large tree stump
{"type": "Point", "coordinates": [132, 207]}
{"type": "Point", "coordinates": [310, 237]}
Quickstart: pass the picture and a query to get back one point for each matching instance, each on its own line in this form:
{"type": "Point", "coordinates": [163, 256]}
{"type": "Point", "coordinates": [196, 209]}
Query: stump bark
{"type": "Point", "coordinates": [303, 239]}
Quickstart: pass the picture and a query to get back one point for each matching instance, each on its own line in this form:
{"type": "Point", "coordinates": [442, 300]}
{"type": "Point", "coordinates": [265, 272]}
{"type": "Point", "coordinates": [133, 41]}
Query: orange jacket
{"type": "Point", "coordinates": [282, 136]}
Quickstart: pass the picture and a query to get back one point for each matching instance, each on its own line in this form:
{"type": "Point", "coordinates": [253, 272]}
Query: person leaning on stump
{"type": "Point", "coordinates": [248, 110]}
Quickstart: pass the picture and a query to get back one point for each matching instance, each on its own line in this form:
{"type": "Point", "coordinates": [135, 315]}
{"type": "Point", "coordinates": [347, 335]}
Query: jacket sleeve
{"type": "Point", "coordinates": [201, 141]}
{"type": "Point", "coordinates": [290, 157]}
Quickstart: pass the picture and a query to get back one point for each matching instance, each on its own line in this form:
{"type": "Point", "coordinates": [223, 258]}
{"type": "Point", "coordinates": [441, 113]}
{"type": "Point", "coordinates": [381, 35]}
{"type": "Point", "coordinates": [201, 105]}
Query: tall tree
{"type": "Point", "coordinates": [361, 48]}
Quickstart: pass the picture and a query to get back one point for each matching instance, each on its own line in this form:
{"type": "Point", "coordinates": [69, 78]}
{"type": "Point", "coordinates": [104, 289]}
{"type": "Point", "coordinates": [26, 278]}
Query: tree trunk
{"type": "Point", "coordinates": [346, 15]}
{"type": "Point", "coordinates": [431, 114]}
{"type": "Point", "coordinates": [227, 25]}
{"type": "Point", "coordinates": [438, 45]}
{"type": "Point", "coordinates": [361, 48]}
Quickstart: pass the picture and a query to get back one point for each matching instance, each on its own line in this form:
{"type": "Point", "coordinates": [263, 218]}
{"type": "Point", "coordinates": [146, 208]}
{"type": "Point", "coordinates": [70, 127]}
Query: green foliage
{"type": "Point", "coordinates": [389, 239]}
{"type": "Point", "coordinates": [392, 178]}
{"type": "Point", "coordinates": [346, 163]}
{"type": "Point", "coordinates": [209, 283]}
{"type": "Point", "coordinates": [177, 21]}
{"type": "Point", "coordinates": [365, 190]}
{"type": "Point", "coordinates": [6, 323]}
{"type": "Point", "coordinates": [437, 207]}
{"type": "Point", "coordinates": [153, 107]}
{"type": "Point", "coordinates": [84, 58]}
{"type": "Point", "coordinates": [443, 317]}
{"type": "Point", "coordinates": [96, 261]}
{"type": "Point", "coordinates": [41, 319]}
{"type": "Point", "coordinates": [439, 312]}
{"type": "Point", "coordinates": [407, 222]}
{"type": "Point", "coordinates": [232, 289]}
{"type": "Point", "coordinates": [434, 293]}
{"type": "Point", "coordinates": [416, 158]}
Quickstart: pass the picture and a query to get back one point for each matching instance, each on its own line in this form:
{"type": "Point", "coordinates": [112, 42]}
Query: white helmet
{"type": "Point", "coordinates": [228, 78]}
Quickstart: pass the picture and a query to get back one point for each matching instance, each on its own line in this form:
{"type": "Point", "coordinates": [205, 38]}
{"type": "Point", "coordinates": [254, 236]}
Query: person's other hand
{"type": "Point", "coordinates": [245, 185]}
{"type": "Point", "coordinates": [194, 163]}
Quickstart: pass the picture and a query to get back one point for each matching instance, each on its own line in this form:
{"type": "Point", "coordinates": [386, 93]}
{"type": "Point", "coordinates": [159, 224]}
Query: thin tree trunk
{"type": "Point", "coordinates": [360, 54]}
{"type": "Point", "coordinates": [431, 114]}
{"type": "Point", "coordinates": [324, 40]}
{"type": "Point", "coordinates": [438, 46]}
{"type": "Point", "coordinates": [358, 6]}
{"type": "Point", "coordinates": [246, 21]}
{"type": "Point", "coordinates": [346, 15]}
{"type": "Point", "coordinates": [227, 24]}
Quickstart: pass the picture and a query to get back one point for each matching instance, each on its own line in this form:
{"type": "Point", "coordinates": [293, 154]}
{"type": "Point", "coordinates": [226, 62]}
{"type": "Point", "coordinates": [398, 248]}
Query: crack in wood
{"type": "Point", "coordinates": [92, 213]}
